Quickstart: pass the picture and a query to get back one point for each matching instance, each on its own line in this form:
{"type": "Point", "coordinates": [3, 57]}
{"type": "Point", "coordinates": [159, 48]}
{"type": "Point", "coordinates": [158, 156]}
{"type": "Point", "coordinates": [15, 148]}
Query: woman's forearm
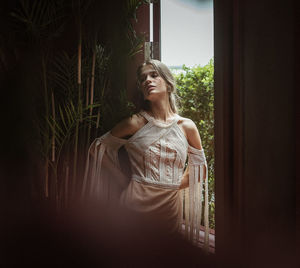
{"type": "Point", "coordinates": [185, 178]}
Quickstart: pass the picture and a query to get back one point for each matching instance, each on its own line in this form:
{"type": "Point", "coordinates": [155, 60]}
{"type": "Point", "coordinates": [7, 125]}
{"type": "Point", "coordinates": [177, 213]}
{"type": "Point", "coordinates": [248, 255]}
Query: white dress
{"type": "Point", "coordinates": [157, 153]}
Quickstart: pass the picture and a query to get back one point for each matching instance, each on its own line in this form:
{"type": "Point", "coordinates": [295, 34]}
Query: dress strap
{"type": "Point", "coordinates": [157, 122]}
{"type": "Point", "coordinates": [146, 115]}
{"type": "Point", "coordinates": [177, 118]}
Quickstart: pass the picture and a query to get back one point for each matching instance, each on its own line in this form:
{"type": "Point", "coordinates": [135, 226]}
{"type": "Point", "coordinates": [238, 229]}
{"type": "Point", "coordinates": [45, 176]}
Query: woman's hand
{"type": "Point", "coordinates": [185, 179]}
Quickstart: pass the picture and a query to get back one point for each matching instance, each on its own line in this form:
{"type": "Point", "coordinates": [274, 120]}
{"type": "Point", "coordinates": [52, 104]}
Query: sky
{"type": "Point", "coordinates": [186, 32]}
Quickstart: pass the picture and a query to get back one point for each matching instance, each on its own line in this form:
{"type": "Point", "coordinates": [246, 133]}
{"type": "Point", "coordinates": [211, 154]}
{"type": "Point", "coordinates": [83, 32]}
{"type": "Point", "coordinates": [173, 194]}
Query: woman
{"type": "Point", "coordinates": [158, 142]}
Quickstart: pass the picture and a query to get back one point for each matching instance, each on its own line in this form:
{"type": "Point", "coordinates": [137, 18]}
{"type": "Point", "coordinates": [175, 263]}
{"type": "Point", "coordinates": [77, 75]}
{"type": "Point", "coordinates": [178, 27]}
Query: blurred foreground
{"type": "Point", "coordinates": [93, 235]}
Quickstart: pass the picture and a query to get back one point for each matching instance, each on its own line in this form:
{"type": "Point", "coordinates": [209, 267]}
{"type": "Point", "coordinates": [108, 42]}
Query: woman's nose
{"type": "Point", "coordinates": [148, 79]}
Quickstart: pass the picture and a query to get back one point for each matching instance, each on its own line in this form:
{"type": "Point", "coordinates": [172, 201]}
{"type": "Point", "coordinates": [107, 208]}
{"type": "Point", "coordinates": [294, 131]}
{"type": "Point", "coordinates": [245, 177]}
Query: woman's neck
{"type": "Point", "coordinates": [161, 110]}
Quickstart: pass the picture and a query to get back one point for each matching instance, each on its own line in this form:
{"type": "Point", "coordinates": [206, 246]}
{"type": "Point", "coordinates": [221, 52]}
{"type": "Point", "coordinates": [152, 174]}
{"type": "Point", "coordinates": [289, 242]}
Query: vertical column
{"type": "Point", "coordinates": [156, 30]}
{"type": "Point", "coordinates": [152, 48]}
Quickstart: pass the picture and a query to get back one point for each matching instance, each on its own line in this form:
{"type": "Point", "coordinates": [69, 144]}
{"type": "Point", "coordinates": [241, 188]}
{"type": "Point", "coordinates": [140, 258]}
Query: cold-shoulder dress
{"type": "Point", "coordinates": [158, 153]}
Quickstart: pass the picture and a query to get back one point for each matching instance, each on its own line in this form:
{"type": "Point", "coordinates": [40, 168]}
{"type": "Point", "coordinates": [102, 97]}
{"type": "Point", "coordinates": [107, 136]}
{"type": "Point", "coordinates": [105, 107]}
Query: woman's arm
{"type": "Point", "coordinates": [185, 179]}
{"type": "Point", "coordinates": [128, 126]}
{"type": "Point", "coordinates": [193, 137]}
{"type": "Point", "coordinates": [192, 134]}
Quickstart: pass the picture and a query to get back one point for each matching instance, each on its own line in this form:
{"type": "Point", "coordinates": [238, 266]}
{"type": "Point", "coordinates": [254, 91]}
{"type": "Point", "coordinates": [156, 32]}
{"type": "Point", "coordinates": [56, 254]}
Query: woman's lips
{"type": "Point", "coordinates": [150, 88]}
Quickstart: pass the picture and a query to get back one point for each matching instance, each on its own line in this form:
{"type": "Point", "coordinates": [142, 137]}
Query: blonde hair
{"type": "Point", "coordinates": [168, 77]}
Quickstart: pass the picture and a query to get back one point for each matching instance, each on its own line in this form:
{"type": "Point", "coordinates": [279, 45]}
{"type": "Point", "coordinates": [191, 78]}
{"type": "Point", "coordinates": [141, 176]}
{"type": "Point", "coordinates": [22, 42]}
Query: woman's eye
{"type": "Point", "coordinates": [144, 77]}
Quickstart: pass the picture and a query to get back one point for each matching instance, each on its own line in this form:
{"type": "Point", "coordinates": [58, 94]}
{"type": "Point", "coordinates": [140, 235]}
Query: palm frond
{"type": "Point", "coordinates": [65, 122]}
{"type": "Point", "coordinates": [131, 8]}
{"type": "Point", "coordinates": [39, 20]}
{"type": "Point", "coordinates": [63, 73]}
{"type": "Point", "coordinates": [136, 45]}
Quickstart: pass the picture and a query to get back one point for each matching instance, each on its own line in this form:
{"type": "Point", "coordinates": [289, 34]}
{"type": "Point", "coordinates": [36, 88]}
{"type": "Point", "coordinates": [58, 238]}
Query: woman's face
{"type": "Point", "coordinates": [152, 84]}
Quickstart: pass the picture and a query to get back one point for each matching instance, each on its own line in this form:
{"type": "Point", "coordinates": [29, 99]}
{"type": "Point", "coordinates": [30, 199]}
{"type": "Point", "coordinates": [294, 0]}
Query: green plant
{"type": "Point", "coordinates": [78, 93]}
{"type": "Point", "coordinates": [195, 87]}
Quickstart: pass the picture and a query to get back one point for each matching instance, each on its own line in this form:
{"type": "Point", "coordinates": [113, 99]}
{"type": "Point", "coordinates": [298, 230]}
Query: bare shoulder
{"type": "Point", "coordinates": [128, 126]}
{"type": "Point", "coordinates": [191, 132]}
{"type": "Point", "coordinates": [187, 124]}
